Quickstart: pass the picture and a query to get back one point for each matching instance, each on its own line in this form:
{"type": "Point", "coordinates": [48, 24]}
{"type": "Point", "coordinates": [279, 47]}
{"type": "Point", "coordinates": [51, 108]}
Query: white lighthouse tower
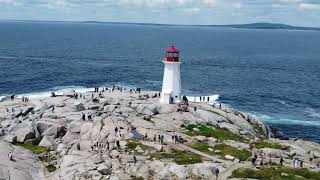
{"type": "Point", "coordinates": [171, 85]}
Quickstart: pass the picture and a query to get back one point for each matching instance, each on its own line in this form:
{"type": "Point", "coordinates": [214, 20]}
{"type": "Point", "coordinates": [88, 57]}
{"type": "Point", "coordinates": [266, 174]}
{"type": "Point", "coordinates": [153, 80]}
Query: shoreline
{"type": "Point", "coordinates": [120, 134]}
{"type": "Point", "coordinates": [84, 90]}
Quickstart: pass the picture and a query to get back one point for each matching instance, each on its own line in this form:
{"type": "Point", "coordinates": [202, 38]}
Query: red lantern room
{"type": "Point", "coordinates": [173, 54]}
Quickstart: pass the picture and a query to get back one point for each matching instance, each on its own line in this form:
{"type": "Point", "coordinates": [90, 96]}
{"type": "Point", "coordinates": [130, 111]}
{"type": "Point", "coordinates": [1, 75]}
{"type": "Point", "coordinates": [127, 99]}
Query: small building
{"type": "Point", "coordinates": [171, 85]}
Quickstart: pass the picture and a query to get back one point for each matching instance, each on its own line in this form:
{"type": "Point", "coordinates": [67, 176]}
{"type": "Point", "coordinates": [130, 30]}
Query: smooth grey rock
{"type": "Point", "coordinates": [209, 117]}
{"type": "Point", "coordinates": [25, 167]}
{"type": "Point", "coordinates": [75, 126]}
{"type": "Point", "coordinates": [97, 159]}
{"type": "Point", "coordinates": [79, 106]}
{"type": "Point", "coordinates": [24, 132]}
{"type": "Point", "coordinates": [103, 169]}
{"type": "Point", "coordinates": [10, 138]}
{"type": "Point", "coordinates": [114, 153]}
{"type": "Point", "coordinates": [47, 141]}
{"type": "Point", "coordinates": [229, 157]}
{"type": "Point", "coordinates": [200, 138]}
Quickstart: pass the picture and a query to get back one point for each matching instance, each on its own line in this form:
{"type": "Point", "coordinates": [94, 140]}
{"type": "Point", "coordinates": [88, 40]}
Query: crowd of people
{"type": "Point", "coordinates": [261, 161]}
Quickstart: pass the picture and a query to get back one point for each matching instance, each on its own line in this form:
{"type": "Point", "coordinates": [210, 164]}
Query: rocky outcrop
{"type": "Point", "coordinates": [25, 165]}
{"type": "Point", "coordinates": [24, 132]}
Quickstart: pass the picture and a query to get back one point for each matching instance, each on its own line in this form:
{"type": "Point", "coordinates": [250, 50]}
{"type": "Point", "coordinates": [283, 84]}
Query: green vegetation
{"type": "Point", "coordinates": [180, 157]}
{"type": "Point", "coordinates": [229, 150]}
{"type": "Point", "coordinates": [51, 168]}
{"type": "Point", "coordinates": [224, 149]}
{"type": "Point", "coordinates": [275, 173]}
{"type": "Point", "coordinates": [42, 152]}
{"type": "Point", "coordinates": [263, 144]}
{"type": "Point", "coordinates": [35, 149]}
{"type": "Point", "coordinates": [133, 144]}
{"type": "Point", "coordinates": [218, 133]}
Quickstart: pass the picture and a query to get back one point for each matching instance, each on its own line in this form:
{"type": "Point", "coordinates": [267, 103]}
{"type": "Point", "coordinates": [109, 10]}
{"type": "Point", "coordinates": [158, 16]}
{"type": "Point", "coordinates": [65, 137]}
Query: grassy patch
{"type": "Point", "coordinates": [132, 144]}
{"type": "Point", "coordinates": [224, 150]}
{"type": "Point", "coordinates": [180, 157]}
{"type": "Point", "coordinates": [243, 155]}
{"type": "Point", "coordinates": [264, 144]}
{"type": "Point", "coordinates": [51, 168]}
{"type": "Point", "coordinates": [275, 173]}
{"type": "Point", "coordinates": [35, 149]}
{"type": "Point", "coordinates": [218, 133]}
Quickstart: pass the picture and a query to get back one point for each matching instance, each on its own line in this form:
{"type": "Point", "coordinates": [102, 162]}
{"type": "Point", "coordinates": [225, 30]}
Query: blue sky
{"type": "Point", "coordinates": [294, 12]}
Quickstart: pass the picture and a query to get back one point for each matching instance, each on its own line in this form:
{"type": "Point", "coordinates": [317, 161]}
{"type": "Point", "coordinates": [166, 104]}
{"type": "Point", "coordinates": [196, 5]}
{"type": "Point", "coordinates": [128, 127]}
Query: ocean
{"type": "Point", "coordinates": [273, 74]}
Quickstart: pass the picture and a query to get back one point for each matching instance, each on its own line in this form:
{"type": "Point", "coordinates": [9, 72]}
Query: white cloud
{"type": "Point", "coordinates": [210, 3]}
{"type": "Point", "coordinates": [309, 6]}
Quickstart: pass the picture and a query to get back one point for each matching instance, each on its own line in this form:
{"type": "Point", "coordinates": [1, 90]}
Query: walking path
{"type": "Point", "coordinates": [231, 165]}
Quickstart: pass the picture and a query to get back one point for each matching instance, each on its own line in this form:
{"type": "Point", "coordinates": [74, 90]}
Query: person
{"type": "Point", "coordinates": [10, 156]}
{"type": "Point", "coordinates": [269, 160]}
{"type": "Point", "coordinates": [78, 146]}
{"type": "Point", "coordinates": [253, 161]}
{"type": "Point", "coordinates": [116, 130]}
{"type": "Point", "coordinates": [146, 137]}
{"type": "Point", "coordinates": [208, 99]}
{"type": "Point", "coordinates": [195, 109]}
{"type": "Point", "coordinates": [217, 172]}
{"type": "Point", "coordinates": [83, 117]}
{"type": "Point", "coordinates": [220, 106]}
{"type": "Point", "coordinates": [89, 116]}
{"type": "Point", "coordinates": [262, 161]}
{"type": "Point", "coordinates": [52, 109]}
{"type": "Point", "coordinates": [200, 98]}
{"type": "Point", "coordinates": [134, 160]}
{"type": "Point", "coordinates": [301, 164]}
{"type": "Point", "coordinates": [155, 138]}
{"type": "Point", "coordinates": [281, 161]}
{"type": "Point", "coordinates": [162, 138]}
{"type": "Point", "coordinates": [118, 144]}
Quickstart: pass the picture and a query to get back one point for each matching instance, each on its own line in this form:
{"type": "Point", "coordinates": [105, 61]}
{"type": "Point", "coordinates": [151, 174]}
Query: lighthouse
{"type": "Point", "coordinates": [171, 85]}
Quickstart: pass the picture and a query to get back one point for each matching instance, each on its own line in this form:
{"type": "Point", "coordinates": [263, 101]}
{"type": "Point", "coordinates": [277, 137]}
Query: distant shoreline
{"type": "Point", "coordinates": [265, 26]}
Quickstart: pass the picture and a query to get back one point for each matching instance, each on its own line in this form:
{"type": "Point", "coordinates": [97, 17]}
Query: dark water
{"type": "Point", "coordinates": [274, 74]}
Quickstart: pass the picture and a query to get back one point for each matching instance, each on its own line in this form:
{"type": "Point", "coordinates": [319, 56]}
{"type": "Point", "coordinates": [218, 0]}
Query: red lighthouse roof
{"type": "Point", "coordinates": [173, 50]}
{"type": "Point", "coordinates": [173, 54]}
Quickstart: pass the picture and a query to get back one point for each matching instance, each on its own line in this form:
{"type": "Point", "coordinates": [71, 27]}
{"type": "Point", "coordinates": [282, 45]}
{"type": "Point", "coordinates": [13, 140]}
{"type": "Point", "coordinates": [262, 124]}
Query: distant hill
{"type": "Point", "coordinates": [243, 26]}
{"type": "Point", "coordinates": [266, 26]}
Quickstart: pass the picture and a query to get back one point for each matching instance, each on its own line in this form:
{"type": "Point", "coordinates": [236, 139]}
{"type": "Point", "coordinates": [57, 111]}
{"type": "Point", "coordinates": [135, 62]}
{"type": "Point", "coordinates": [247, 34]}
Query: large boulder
{"type": "Point", "coordinates": [79, 106]}
{"type": "Point", "coordinates": [111, 101]}
{"type": "Point", "coordinates": [10, 138]}
{"type": "Point", "coordinates": [75, 126]}
{"type": "Point", "coordinates": [209, 117]}
{"type": "Point", "coordinates": [53, 131]}
{"type": "Point", "coordinates": [104, 170]}
{"type": "Point", "coordinates": [232, 128]}
{"type": "Point", "coordinates": [47, 141]}
{"type": "Point", "coordinates": [146, 109]}
{"type": "Point", "coordinates": [25, 167]}
{"type": "Point", "coordinates": [24, 132]}
{"type": "Point", "coordinates": [114, 153]}
{"type": "Point", "coordinates": [275, 153]}
{"type": "Point", "coordinates": [42, 126]}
